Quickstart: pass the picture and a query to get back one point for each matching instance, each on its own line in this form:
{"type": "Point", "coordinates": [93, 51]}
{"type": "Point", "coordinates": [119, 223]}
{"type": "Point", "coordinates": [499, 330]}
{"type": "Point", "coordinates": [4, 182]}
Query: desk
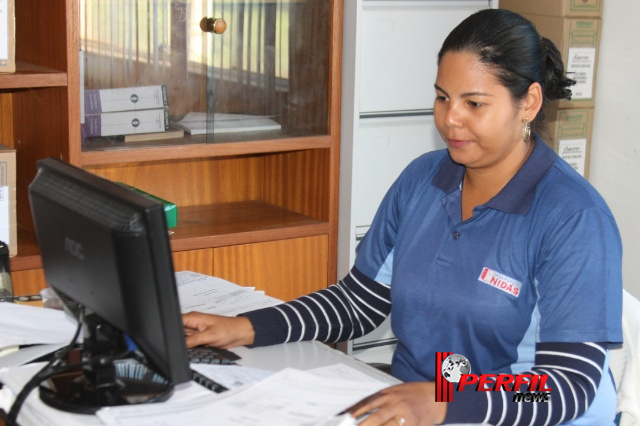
{"type": "Point", "coordinates": [304, 356]}
{"type": "Point", "coordinates": [300, 355]}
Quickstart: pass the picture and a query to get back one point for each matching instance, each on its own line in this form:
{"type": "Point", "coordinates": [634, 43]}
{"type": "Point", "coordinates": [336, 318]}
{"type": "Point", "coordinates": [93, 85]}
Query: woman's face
{"type": "Point", "coordinates": [475, 115]}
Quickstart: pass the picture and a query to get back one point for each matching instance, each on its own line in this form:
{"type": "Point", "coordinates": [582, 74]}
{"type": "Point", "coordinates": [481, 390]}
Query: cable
{"type": "Point", "coordinates": [54, 366]}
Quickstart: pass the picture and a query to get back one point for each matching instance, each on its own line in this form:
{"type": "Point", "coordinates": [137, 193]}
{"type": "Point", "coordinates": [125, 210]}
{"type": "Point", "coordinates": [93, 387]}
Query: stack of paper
{"type": "Point", "coordinates": [257, 397]}
{"type": "Point", "coordinates": [195, 123]}
{"type": "Point", "coordinates": [289, 397]}
{"type": "Point", "coordinates": [27, 325]}
{"type": "Point", "coordinates": [212, 295]}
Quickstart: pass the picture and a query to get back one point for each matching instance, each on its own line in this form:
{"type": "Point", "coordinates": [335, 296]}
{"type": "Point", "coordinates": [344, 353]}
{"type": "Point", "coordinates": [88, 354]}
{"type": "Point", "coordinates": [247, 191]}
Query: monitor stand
{"type": "Point", "coordinates": [98, 376]}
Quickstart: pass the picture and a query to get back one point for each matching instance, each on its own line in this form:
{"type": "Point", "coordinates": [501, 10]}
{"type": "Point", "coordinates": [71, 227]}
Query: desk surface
{"type": "Point", "coordinates": [299, 355]}
{"type": "Point", "coordinates": [304, 356]}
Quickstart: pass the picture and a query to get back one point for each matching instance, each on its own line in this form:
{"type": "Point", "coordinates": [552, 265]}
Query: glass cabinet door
{"type": "Point", "coordinates": [230, 70]}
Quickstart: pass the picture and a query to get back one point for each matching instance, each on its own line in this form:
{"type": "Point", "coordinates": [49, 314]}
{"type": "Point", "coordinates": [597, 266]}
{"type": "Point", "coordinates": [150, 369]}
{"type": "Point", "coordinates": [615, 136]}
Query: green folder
{"type": "Point", "coordinates": [170, 209]}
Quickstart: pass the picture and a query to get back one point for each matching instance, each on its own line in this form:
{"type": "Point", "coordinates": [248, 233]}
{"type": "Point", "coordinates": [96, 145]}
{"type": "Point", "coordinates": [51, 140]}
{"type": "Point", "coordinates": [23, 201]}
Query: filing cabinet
{"type": "Point", "coordinates": [389, 68]}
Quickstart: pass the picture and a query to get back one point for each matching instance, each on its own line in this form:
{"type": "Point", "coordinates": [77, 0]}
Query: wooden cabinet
{"type": "Point", "coordinates": [258, 208]}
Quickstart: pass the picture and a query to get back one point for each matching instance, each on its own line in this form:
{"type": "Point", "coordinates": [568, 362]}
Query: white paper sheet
{"type": "Point", "coordinates": [28, 325]}
{"type": "Point", "coordinates": [287, 398]}
{"type": "Point", "coordinates": [37, 413]}
{"type": "Point", "coordinates": [29, 354]}
{"type": "Point", "coordinates": [5, 217]}
{"type": "Point", "coordinates": [195, 123]}
{"type": "Point", "coordinates": [4, 29]}
{"type": "Point", "coordinates": [34, 411]}
{"type": "Point", "coordinates": [232, 376]}
{"type": "Point", "coordinates": [213, 295]}
{"type": "Point", "coordinates": [581, 67]}
{"type": "Point", "coordinates": [574, 152]}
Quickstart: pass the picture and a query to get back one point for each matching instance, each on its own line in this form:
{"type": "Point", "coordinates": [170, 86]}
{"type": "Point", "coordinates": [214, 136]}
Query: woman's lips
{"type": "Point", "coordinates": [456, 143]}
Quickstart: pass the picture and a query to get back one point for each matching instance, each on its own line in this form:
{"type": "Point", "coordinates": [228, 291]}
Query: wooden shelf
{"type": "Point", "coordinates": [111, 151]}
{"type": "Point", "coordinates": [29, 76]}
{"type": "Point", "coordinates": [288, 240]}
{"type": "Point", "coordinates": [210, 226]}
{"type": "Point", "coordinates": [242, 222]}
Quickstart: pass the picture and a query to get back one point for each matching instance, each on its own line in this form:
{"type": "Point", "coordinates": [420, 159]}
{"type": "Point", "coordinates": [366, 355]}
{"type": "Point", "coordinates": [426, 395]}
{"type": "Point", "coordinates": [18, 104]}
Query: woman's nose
{"type": "Point", "coordinates": [452, 117]}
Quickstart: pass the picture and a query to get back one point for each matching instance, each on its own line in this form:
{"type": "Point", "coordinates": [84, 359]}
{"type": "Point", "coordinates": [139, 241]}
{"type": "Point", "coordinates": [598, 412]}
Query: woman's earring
{"type": "Point", "coordinates": [526, 130]}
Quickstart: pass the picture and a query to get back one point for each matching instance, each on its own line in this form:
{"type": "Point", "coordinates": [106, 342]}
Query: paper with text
{"type": "Point", "coordinates": [213, 295]}
{"type": "Point", "coordinates": [287, 398]}
{"type": "Point", "coordinates": [232, 376]}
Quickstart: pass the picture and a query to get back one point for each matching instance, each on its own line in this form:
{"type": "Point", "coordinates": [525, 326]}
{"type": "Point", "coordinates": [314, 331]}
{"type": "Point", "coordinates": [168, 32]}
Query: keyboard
{"type": "Point", "coordinates": [210, 355]}
{"type": "Point", "coordinates": [208, 383]}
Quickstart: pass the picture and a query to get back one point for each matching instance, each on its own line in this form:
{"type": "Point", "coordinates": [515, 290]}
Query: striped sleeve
{"type": "Point", "coordinates": [353, 307]}
{"type": "Point", "coordinates": [574, 371]}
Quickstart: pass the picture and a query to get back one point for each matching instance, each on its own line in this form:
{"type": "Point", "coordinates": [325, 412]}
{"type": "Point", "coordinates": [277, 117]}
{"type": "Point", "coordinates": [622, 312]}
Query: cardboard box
{"type": "Point", "coordinates": [564, 8]}
{"type": "Point", "coordinates": [8, 217]}
{"type": "Point", "coordinates": [99, 101]}
{"type": "Point", "coordinates": [578, 40]}
{"type": "Point", "coordinates": [7, 36]}
{"type": "Point", "coordinates": [126, 122]}
{"type": "Point", "coordinates": [570, 131]}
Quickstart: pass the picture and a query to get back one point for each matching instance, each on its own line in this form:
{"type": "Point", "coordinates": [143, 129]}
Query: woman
{"type": "Point", "coordinates": [494, 249]}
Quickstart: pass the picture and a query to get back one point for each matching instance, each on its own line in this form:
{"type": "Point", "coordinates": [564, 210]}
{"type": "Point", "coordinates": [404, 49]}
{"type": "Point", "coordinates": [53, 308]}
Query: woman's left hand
{"type": "Point", "coordinates": [408, 404]}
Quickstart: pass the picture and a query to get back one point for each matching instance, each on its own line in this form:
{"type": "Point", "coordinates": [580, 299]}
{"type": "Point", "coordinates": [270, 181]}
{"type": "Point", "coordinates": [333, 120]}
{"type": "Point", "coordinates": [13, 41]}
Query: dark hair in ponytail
{"type": "Point", "coordinates": [510, 44]}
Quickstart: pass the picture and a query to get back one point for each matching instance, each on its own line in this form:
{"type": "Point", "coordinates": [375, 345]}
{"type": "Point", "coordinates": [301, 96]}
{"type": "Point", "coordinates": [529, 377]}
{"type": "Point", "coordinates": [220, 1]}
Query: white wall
{"type": "Point", "coordinates": [615, 149]}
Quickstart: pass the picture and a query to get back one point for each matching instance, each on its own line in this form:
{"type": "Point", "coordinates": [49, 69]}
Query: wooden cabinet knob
{"type": "Point", "coordinates": [213, 25]}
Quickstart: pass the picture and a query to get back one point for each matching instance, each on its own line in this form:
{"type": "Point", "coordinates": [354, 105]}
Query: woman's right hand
{"type": "Point", "coordinates": [218, 331]}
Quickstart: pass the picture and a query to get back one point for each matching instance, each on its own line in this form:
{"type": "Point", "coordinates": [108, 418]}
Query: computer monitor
{"type": "Point", "coordinates": [106, 248]}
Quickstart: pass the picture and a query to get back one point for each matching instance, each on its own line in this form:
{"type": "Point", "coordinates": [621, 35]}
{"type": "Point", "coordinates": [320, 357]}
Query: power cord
{"type": "Point", "coordinates": [54, 366]}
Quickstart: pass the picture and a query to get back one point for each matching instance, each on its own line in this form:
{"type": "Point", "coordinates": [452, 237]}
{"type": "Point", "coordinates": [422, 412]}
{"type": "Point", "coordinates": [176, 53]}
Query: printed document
{"type": "Point", "coordinates": [287, 398]}
{"type": "Point", "coordinates": [213, 295]}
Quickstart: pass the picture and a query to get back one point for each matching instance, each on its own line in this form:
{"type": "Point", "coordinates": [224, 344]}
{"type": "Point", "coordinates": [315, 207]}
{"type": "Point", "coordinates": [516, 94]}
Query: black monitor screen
{"type": "Point", "coordinates": [105, 248]}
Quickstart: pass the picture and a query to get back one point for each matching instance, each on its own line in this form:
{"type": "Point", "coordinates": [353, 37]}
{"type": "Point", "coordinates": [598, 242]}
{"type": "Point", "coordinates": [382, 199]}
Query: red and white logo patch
{"type": "Point", "coordinates": [500, 281]}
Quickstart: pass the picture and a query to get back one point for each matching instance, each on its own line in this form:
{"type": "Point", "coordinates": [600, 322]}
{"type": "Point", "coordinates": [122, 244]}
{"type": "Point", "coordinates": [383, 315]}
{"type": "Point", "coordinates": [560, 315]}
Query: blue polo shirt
{"type": "Point", "coordinates": [539, 262]}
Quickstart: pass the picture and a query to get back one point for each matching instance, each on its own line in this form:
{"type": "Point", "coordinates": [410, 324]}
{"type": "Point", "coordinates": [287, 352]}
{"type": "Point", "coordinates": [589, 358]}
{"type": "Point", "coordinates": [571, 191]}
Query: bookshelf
{"type": "Point", "coordinates": [256, 208]}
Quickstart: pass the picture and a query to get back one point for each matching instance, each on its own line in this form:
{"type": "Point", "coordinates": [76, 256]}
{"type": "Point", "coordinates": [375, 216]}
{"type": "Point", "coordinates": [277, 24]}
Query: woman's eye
{"type": "Point", "coordinates": [440, 98]}
{"type": "Point", "coordinates": [475, 104]}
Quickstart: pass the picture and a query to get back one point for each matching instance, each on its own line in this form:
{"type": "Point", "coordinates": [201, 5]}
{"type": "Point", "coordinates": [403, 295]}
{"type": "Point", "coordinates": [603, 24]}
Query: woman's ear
{"type": "Point", "coordinates": [533, 100]}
